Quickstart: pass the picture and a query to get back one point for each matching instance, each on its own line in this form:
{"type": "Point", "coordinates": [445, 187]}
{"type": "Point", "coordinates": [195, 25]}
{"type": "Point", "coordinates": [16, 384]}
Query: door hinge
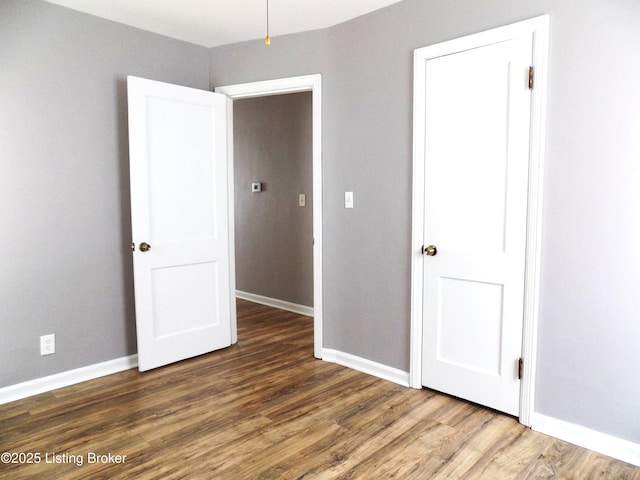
{"type": "Point", "coordinates": [520, 368]}
{"type": "Point", "coordinates": [530, 78]}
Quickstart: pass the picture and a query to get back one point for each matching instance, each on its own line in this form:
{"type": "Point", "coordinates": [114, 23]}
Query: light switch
{"type": "Point", "coordinates": [256, 187]}
{"type": "Point", "coordinates": [302, 200]}
{"type": "Point", "coordinates": [348, 199]}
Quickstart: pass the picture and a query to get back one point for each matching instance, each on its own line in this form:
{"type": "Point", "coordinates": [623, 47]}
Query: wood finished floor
{"type": "Point", "coordinates": [266, 409]}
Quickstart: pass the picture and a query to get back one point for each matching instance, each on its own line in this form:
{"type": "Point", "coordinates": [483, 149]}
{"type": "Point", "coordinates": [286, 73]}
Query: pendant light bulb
{"type": "Point", "coordinates": [267, 39]}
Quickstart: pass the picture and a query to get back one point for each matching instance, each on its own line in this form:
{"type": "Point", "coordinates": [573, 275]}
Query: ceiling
{"type": "Point", "coordinates": [217, 22]}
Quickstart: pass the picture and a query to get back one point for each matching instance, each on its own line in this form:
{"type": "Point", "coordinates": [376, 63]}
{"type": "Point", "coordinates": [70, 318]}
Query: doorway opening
{"type": "Point", "coordinates": [274, 201]}
{"type": "Point", "coordinates": [271, 88]}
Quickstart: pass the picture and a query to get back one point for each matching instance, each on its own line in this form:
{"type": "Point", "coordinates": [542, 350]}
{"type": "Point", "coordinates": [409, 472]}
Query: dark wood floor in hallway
{"type": "Point", "coordinates": [266, 409]}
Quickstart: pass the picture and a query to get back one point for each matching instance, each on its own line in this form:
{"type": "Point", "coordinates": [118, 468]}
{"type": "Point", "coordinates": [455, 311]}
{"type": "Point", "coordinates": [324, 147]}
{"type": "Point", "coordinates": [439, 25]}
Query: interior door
{"type": "Point", "coordinates": [476, 171]}
{"type": "Point", "coordinates": [180, 226]}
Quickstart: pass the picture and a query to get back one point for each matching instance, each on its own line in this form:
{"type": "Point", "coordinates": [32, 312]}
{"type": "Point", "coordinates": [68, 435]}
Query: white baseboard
{"type": "Point", "coordinates": [585, 437]}
{"type": "Point", "coordinates": [273, 302]}
{"type": "Point", "coordinates": [366, 366]}
{"type": "Point", "coordinates": [64, 379]}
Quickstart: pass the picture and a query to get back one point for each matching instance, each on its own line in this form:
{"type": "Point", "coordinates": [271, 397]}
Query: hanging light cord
{"type": "Point", "coordinates": [267, 39]}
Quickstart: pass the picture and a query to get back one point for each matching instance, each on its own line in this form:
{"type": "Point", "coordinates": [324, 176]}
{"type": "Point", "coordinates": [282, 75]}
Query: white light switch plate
{"type": "Point", "coordinates": [302, 200]}
{"type": "Point", "coordinates": [348, 199]}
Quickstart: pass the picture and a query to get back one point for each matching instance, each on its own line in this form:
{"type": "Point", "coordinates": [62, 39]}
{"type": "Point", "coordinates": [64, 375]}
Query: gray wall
{"type": "Point", "coordinates": [274, 236]}
{"type": "Point", "coordinates": [64, 195]}
{"type": "Point", "coordinates": [590, 308]}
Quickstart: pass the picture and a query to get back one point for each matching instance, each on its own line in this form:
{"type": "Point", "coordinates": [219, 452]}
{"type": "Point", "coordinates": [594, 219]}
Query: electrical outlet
{"type": "Point", "coordinates": [47, 344]}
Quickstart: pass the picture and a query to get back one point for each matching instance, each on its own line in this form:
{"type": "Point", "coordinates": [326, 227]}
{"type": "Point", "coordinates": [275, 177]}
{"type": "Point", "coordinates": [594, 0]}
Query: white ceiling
{"type": "Point", "coordinates": [217, 22]}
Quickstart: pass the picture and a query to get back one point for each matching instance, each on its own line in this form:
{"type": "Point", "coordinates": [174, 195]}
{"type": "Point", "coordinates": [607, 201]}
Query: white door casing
{"type": "Point", "coordinates": [280, 86]}
{"type": "Point", "coordinates": [480, 227]}
{"type": "Point", "coordinates": [179, 206]}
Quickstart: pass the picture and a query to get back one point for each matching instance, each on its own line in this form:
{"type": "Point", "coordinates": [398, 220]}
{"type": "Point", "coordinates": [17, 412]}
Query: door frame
{"type": "Point", "coordinates": [538, 28]}
{"type": "Point", "coordinates": [306, 83]}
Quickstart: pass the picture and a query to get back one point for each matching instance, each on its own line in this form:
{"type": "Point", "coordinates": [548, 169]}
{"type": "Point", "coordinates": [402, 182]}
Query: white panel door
{"type": "Point", "coordinates": [477, 108]}
{"type": "Point", "coordinates": [178, 169]}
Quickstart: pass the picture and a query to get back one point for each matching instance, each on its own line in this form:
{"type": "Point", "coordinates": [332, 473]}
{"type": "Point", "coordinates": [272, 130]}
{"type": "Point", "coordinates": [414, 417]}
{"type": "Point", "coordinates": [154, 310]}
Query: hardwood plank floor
{"type": "Point", "coordinates": [266, 409]}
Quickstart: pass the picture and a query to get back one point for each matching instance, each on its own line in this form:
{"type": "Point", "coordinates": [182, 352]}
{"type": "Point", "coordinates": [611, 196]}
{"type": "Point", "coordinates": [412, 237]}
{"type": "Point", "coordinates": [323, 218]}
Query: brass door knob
{"type": "Point", "coordinates": [430, 251]}
{"type": "Point", "coordinates": [145, 247]}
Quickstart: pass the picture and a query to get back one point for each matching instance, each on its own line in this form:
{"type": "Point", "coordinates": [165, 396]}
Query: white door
{"type": "Point", "coordinates": [477, 106]}
{"type": "Point", "coordinates": [178, 169]}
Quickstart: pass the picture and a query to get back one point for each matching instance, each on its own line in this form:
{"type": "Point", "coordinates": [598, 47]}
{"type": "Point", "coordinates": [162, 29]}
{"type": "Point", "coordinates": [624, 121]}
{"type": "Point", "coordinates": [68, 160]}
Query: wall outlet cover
{"type": "Point", "coordinates": [47, 344]}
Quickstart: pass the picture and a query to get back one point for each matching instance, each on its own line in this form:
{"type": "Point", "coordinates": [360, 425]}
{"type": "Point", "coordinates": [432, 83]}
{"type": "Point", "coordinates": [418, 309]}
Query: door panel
{"type": "Point", "coordinates": [477, 107]}
{"type": "Point", "coordinates": [470, 146]}
{"type": "Point", "coordinates": [181, 170]}
{"type": "Point", "coordinates": [178, 168]}
{"type": "Point", "coordinates": [191, 284]}
{"type": "Point", "coordinates": [463, 350]}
